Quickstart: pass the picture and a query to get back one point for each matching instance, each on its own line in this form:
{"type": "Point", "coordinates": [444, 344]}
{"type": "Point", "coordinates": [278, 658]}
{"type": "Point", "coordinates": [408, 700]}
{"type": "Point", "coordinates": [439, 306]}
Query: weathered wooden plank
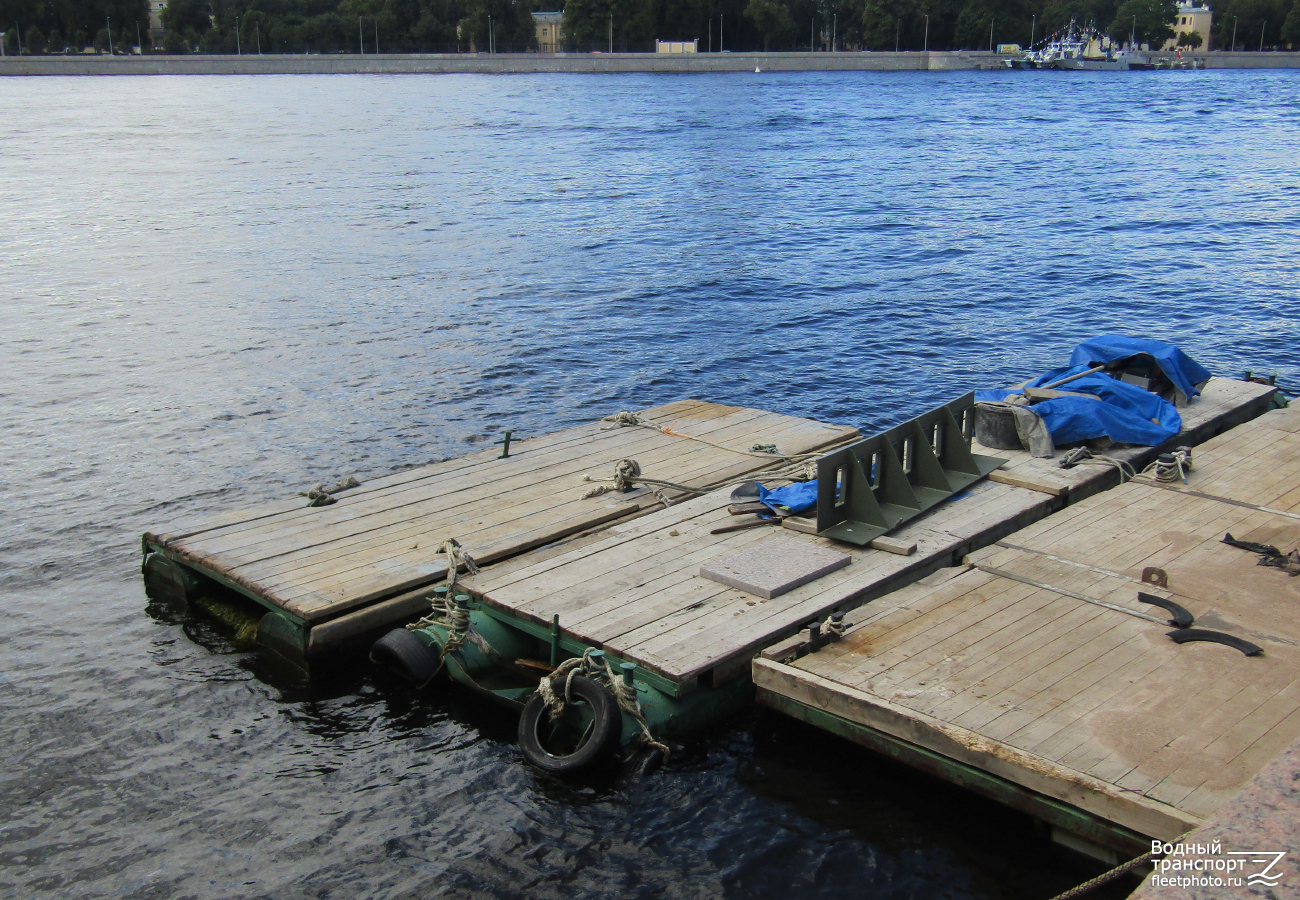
{"type": "Point", "coordinates": [1133, 811]}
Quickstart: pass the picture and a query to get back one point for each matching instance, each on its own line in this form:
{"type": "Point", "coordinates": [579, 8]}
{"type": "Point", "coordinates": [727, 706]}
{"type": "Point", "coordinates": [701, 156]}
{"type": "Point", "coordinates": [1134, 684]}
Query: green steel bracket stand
{"type": "Point", "coordinates": [869, 488]}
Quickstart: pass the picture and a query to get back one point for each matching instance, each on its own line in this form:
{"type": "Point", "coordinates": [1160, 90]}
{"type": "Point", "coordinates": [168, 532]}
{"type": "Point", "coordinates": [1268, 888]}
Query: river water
{"type": "Point", "coordinates": [218, 291]}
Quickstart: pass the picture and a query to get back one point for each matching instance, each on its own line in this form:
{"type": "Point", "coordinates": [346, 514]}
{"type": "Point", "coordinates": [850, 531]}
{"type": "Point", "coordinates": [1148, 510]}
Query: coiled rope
{"type": "Point", "coordinates": [624, 694]}
{"type": "Point", "coordinates": [444, 610]}
{"type": "Point", "coordinates": [324, 496]}
{"type": "Point", "coordinates": [1170, 467]}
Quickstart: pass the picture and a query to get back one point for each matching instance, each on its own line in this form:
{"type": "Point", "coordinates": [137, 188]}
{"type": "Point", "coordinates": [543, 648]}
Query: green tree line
{"type": "Point", "coordinates": [449, 26]}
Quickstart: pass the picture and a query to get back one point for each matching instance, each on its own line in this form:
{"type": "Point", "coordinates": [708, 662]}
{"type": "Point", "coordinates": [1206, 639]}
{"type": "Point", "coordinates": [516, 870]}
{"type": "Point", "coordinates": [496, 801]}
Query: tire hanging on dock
{"type": "Point", "coordinates": [596, 745]}
{"type": "Point", "coordinates": [406, 656]}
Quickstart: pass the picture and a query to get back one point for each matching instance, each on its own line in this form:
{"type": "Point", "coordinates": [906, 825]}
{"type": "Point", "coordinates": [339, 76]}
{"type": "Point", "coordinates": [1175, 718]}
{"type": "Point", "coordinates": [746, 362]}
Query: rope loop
{"type": "Point", "coordinates": [1171, 467]}
{"type": "Point", "coordinates": [1082, 455]}
{"type": "Point", "coordinates": [604, 675]}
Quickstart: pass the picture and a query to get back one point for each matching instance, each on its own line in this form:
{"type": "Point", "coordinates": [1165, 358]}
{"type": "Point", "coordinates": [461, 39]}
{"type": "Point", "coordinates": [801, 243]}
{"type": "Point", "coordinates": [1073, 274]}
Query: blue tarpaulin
{"type": "Point", "coordinates": [1187, 375]}
{"type": "Point", "coordinates": [1126, 414]}
{"type": "Point", "coordinates": [798, 497]}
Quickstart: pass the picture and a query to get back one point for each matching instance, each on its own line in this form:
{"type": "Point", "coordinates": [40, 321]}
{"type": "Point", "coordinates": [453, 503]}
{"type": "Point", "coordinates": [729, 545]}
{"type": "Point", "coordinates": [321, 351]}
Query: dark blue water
{"type": "Point", "coordinates": [218, 291]}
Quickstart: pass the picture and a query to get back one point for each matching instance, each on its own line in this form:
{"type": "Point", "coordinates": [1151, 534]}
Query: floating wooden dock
{"type": "Point", "coordinates": [333, 572]}
{"type": "Point", "coordinates": [1034, 675]}
{"type": "Point", "coordinates": [634, 590]}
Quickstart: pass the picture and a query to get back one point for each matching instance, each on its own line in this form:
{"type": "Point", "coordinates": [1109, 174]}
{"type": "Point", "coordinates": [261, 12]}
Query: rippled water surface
{"type": "Point", "coordinates": [220, 290]}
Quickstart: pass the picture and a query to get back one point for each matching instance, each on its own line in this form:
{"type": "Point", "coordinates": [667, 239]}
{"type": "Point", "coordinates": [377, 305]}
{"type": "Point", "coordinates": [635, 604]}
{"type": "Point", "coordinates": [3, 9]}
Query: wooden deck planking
{"type": "Point", "coordinates": [1091, 693]}
{"type": "Point", "coordinates": [518, 525]}
{"type": "Point", "coordinates": [381, 539]}
{"type": "Point", "coordinates": [635, 592]}
{"type": "Point", "coordinates": [191, 525]}
{"type": "Point", "coordinates": [524, 469]}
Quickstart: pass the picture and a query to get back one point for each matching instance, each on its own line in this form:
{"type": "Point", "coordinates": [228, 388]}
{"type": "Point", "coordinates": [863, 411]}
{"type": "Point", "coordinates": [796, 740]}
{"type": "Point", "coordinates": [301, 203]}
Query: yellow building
{"type": "Point", "coordinates": [677, 46]}
{"type": "Point", "coordinates": [550, 31]}
{"type": "Point", "coordinates": [1191, 18]}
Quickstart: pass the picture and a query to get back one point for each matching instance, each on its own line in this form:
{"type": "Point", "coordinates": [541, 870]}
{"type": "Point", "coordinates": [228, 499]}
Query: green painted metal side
{"type": "Point", "coordinates": [219, 579]}
{"type": "Point", "coordinates": [1039, 806]}
{"type": "Point", "coordinates": [285, 634]}
{"type": "Point", "coordinates": [485, 665]}
{"type": "Point", "coordinates": [575, 647]}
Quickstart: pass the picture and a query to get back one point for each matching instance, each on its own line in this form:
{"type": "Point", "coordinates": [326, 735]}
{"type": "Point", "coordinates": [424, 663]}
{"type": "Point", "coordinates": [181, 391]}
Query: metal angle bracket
{"type": "Point", "coordinates": [869, 488]}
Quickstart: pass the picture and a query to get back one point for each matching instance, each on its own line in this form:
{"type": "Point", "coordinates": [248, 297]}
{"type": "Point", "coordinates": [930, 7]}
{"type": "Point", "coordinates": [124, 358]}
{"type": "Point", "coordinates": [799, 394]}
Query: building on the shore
{"type": "Point", "coordinates": [155, 21]}
{"type": "Point", "coordinates": [1191, 18]}
{"type": "Point", "coordinates": [550, 31]}
{"type": "Point", "coordinates": [677, 46]}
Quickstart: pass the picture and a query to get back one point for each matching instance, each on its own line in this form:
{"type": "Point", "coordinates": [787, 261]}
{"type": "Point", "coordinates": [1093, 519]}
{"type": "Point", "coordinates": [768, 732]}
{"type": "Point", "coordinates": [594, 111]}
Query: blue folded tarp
{"type": "Point", "coordinates": [797, 498]}
{"type": "Point", "coordinates": [1126, 413]}
{"type": "Point", "coordinates": [1187, 375]}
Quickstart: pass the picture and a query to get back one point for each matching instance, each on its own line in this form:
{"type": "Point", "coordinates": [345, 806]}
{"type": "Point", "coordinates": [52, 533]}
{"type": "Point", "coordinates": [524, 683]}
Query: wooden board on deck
{"type": "Point", "coordinates": [1093, 706]}
{"type": "Point", "coordinates": [381, 539]}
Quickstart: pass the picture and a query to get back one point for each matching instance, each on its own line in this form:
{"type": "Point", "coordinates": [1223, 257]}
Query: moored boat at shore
{"type": "Point", "coordinates": [1080, 49]}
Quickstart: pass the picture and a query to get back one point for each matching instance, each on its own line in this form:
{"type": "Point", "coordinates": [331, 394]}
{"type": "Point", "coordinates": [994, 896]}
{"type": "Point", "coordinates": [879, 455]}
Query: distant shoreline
{"type": "Point", "coordinates": [592, 63]}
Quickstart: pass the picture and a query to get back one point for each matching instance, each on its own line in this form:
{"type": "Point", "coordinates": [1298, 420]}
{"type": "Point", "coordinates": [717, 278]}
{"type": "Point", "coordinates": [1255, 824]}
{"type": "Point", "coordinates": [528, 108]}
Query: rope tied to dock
{"type": "Point", "coordinates": [1083, 456]}
{"type": "Point", "coordinates": [324, 496]}
{"type": "Point", "coordinates": [627, 475]}
{"type": "Point", "coordinates": [627, 419]}
{"type": "Point", "coordinates": [445, 611]}
{"type": "Point", "coordinates": [457, 558]}
{"type": "Point", "coordinates": [624, 694]}
{"type": "Point", "coordinates": [1106, 877]}
{"type": "Point", "coordinates": [1171, 467]}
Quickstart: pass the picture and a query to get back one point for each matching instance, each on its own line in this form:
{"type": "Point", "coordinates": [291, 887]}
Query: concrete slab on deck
{"type": "Point", "coordinates": [774, 567]}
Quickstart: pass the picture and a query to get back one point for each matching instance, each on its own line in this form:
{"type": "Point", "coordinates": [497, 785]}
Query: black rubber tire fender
{"type": "Point", "coordinates": [605, 733]}
{"type": "Point", "coordinates": [406, 656]}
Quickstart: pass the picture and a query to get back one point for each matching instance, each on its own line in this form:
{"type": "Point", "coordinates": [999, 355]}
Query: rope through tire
{"type": "Point", "coordinates": [624, 694]}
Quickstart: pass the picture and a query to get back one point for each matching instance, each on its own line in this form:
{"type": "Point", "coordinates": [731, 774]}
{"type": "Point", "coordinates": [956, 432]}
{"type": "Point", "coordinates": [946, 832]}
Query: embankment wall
{"type": "Point", "coordinates": [511, 63]}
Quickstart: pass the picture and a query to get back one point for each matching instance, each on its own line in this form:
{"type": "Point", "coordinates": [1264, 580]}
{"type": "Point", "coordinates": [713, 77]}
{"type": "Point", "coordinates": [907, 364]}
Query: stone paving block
{"type": "Point", "coordinates": [773, 567]}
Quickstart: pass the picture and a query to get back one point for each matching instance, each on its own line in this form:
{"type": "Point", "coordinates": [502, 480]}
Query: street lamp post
{"type": "Point", "coordinates": [1033, 24]}
{"type": "Point", "coordinates": [1234, 34]}
{"type": "Point", "coordinates": [239, 51]}
{"type": "Point", "coordinates": [991, 21]}
{"type": "Point", "coordinates": [925, 44]}
{"type": "Point", "coordinates": [1261, 35]}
